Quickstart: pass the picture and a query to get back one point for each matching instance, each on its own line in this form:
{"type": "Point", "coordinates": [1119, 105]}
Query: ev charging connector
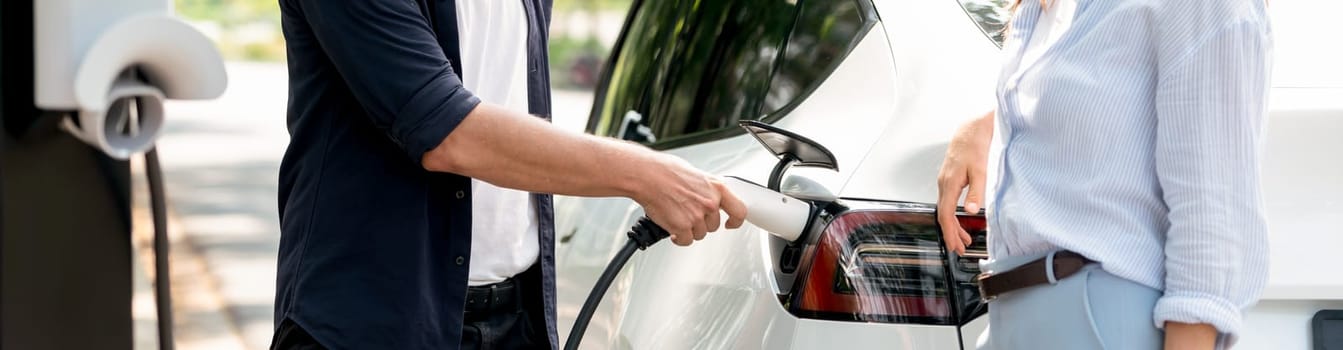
{"type": "Point", "coordinates": [781, 215]}
{"type": "Point", "coordinates": [92, 57]}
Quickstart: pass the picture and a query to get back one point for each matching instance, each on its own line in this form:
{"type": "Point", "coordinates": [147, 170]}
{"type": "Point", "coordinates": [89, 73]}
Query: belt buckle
{"type": "Point", "coordinates": [984, 296]}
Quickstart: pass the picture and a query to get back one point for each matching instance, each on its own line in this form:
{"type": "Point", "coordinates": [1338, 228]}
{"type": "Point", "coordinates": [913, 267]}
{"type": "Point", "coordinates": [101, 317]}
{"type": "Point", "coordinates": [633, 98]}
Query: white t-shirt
{"type": "Point", "coordinates": [493, 39]}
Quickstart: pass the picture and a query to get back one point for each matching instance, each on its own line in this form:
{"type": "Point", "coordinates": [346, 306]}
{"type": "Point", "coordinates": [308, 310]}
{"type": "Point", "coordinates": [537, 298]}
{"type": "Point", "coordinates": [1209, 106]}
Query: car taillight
{"type": "Point", "coordinates": [889, 265]}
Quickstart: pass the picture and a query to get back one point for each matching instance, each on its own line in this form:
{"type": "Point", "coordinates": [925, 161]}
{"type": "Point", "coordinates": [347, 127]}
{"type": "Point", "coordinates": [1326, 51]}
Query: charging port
{"type": "Point", "coordinates": [789, 257]}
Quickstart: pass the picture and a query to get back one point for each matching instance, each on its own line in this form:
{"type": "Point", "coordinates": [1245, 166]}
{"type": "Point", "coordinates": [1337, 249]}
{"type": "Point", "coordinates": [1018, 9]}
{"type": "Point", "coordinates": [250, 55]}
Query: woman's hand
{"type": "Point", "coordinates": [1185, 336]}
{"type": "Point", "coordinates": [964, 165]}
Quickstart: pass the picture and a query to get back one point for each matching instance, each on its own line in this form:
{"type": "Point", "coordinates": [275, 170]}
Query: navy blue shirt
{"type": "Point", "coordinates": [375, 250]}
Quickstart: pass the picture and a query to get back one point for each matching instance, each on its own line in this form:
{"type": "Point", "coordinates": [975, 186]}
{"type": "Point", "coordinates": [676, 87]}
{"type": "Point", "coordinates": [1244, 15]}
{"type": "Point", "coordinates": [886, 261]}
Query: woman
{"type": "Point", "coordinates": [1125, 209]}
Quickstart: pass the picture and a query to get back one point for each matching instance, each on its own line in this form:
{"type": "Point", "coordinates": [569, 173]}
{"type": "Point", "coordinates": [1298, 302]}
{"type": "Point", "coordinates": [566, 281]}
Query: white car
{"type": "Point", "coordinates": [883, 84]}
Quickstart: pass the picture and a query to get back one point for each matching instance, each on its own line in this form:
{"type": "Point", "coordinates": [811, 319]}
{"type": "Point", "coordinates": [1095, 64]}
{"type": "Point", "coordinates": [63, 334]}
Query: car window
{"type": "Point", "coordinates": [824, 32]}
{"type": "Point", "coordinates": [990, 15]}
{"type": "Point", "coordinates": [686, 69]}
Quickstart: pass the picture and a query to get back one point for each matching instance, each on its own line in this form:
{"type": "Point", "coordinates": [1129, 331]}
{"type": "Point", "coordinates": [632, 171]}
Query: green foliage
{"type": "Point", "coordinates": [247, 29]}
{"type": "Point", "coordinates": [569, 55]}
{"type": "Point", "coordinates": [591, 5]}
{"type": "Point", "coordinates": [230, 11]}
{"type": "Point", "coordinates": [250, 29]}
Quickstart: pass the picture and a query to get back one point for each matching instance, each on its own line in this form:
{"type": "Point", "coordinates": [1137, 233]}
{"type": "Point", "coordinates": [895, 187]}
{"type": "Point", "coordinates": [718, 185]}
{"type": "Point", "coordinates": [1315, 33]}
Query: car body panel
{"type": "Point", "coordinates": [1305, 44]}
{"type": "Point", "coordinates": [1303, 192]}
{"type": "Point", "coordinates": [1282, 324]}
{"type": "Point", "coordinates": [939, 93]}
{"type": "Point", "coordinates": [1302, 170]}
{"type": "Point", "coordinates": [818, 334]}
{"type": "Point", "coordinates": [971, 332]}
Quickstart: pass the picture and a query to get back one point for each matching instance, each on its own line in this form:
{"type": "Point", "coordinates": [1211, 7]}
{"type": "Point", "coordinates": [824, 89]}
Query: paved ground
{"type": "Point", "coordinates": [221, 160]}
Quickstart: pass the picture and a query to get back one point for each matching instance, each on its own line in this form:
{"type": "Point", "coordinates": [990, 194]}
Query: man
{"type": "Point", "coordinates": [388, 201]}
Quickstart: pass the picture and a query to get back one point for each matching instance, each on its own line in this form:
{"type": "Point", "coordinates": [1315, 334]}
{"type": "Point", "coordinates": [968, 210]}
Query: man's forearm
{"type": "Point", "coordinates": [519, 151]}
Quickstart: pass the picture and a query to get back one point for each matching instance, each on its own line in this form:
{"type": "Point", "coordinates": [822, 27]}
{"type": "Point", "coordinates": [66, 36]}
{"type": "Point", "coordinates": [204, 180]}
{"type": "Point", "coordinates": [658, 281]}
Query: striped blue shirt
{"type": "Point", "coordinates": [1135, 140]}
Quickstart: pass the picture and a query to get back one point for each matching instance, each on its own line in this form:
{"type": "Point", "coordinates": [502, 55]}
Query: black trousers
{"type": "Point", "coordinates": [506, 315]}
{"type": "Point", "coordinates": [497, 316]}
{"type": "Point", "coordinates": [507, 326]}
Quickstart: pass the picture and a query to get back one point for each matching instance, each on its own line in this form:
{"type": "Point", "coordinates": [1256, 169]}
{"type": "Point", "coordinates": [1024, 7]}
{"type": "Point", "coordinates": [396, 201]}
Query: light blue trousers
{"type": "Point", "coordinates": [1091, 309]}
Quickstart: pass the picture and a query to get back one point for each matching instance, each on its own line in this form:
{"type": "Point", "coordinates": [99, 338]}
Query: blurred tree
{"type": "Point", "coordinates": [250, 30]}
{"type": "Point", "coordinates": [577, 52]}
{"type": "Point", "coordinates": [242, 29]}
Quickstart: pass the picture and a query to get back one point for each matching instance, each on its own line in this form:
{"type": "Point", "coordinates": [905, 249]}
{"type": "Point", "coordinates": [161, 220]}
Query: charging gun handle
{"type": "Point", "coordinates": [645, 233]}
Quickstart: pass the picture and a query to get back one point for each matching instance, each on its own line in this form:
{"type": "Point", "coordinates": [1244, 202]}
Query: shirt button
{"type": "Point", "coordinates": [461, 194]}
{"type": "Point", "coordinates": [460, 260]}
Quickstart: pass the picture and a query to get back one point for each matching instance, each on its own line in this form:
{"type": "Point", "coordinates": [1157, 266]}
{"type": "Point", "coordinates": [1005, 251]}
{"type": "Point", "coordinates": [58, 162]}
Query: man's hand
{"type": "Point", "coordinates": [685, 201]}
{"type": "Point", "coordinates": [1186, 336]}
{"type": "Point", "coordinates": [964, 165]}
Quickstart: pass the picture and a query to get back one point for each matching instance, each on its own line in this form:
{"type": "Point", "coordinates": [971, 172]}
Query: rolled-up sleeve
{"type": "Point", "coordinates": [387, 54]}
{"type": "Point", "coordinates": [1211, 104]}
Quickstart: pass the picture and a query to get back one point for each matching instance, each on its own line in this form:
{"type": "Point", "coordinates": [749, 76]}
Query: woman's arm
{"type": "Point", "coordinates": [1211, 100]}
{"type": "Point", "coordinates": [1190, 336]}
{"type": "Point", "coordinates": [965, 165]}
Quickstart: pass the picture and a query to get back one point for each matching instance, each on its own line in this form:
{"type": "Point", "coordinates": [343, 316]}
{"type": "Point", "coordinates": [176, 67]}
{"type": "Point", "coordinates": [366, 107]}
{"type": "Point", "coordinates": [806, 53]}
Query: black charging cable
{"type": "Point", "coordinates": [644, 234]}
{"type": "Point", "coordinates": [162, 286]}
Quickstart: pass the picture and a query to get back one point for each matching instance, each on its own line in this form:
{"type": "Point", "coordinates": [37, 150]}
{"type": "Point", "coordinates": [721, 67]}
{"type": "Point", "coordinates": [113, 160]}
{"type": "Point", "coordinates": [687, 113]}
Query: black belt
{"type": "Point", "coordinates": [491, 298]}
{"type": "Point", "coordinates": [1034, 273]}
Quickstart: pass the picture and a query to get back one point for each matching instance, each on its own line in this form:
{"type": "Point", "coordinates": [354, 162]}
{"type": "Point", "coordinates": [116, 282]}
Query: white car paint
{"type": "Point", "coordinates": [887, 113]}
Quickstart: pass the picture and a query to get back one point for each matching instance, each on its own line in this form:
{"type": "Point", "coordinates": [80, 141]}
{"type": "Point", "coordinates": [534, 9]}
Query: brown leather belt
{"type": "Point", "coordinates": [1034, 273]}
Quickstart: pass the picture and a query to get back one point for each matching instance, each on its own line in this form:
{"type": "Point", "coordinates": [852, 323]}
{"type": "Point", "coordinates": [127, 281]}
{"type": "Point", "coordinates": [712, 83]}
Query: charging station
{"type": "Point", "coordinates": [82, 85]}
{"type": "Point", "coordinates": [65, 253]}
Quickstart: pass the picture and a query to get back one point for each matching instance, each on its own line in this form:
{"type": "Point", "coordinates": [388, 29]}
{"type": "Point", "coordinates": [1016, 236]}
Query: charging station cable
{"type": "Point", "coordinates": [162, 285]}
{"type": "Point", "coordinates": [644, 234]}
